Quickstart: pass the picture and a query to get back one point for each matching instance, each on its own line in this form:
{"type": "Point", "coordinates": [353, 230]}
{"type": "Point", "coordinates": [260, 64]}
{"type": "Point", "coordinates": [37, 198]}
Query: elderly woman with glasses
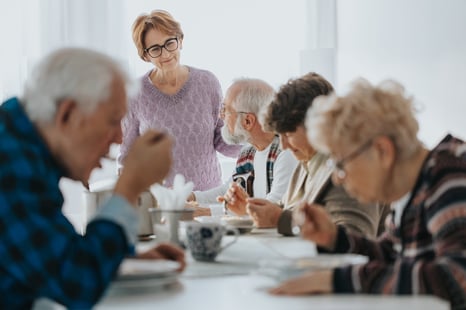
{"type": "Point", "coordinates": [371, 136]}
{"type": "Point", "coordinates": [181, 100]}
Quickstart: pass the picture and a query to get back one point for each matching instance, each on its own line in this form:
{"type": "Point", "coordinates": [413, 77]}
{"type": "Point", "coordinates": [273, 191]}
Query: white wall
{"type": "Point", "coordinates": [254, 38]}
{"type": "Point", "coordinates": [421, 43]}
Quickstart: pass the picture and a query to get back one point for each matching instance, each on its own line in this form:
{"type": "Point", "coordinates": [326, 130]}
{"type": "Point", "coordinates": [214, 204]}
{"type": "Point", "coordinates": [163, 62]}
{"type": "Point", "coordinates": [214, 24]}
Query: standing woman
{"type": "Point", "coordinates": [181, 100]}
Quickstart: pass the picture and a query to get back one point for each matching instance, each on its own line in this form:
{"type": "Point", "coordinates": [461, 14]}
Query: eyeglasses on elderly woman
{"type": "Point", "coordinates": [339, 165]}
{"type": "Point", "coordinates": [155, 50]}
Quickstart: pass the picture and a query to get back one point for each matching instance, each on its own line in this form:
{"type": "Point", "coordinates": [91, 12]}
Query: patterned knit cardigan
{"type": "Point", "coordinates": [245, 166]}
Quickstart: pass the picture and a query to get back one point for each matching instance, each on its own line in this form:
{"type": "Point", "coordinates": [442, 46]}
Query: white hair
{"type": "Point", "coordinates": [249, 95]}
{"type": "Point", "coordinates": [252, 95]}
{"type": "Point", "coordinates": [75, 73]}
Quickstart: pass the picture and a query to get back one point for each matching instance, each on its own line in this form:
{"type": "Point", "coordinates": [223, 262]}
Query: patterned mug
{"type": "Point", "coordinates": [205, 239]}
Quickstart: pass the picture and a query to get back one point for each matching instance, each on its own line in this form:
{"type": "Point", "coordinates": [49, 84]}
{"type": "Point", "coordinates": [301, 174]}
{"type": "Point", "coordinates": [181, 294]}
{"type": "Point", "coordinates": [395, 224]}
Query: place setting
{"type": "Point", "coordinates": [144, 275]}
{"type": "Point", "coordinates": [215, 213]}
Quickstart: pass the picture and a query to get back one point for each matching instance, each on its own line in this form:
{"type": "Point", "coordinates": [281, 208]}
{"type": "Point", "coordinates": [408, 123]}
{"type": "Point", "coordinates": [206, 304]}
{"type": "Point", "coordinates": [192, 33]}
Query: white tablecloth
{"type": "Point", "coordinates": [232, 282]}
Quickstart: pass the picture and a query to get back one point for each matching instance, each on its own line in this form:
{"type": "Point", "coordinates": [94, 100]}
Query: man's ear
{"type": "Point", "coordinates": [249, 121]}
{"type": "Point", "coordinates": [66, 111]}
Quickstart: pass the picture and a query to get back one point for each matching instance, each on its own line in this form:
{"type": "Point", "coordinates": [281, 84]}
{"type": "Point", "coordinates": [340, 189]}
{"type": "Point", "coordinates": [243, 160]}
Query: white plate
{"type": "Point", "coordinates": [144, 283]}
{"type": "Point", "coordinates": [143, 286]}
{"type": "Point", "coordinates": [138, 269]}
{"type": "Point", "coordinates": [284, 269]}
{"type": "Point", "coordinates": [208, 219]}
{"type": "Point", "coordinates": [139, 276]}
{"type": "Point", "coordinates": [238, 221]}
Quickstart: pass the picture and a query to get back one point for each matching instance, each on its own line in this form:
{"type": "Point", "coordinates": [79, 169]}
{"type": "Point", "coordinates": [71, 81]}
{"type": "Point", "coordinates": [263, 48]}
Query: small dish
{"type": "Point", "coordinates": [282, 270]}
{"type": "Point", "coordinates": [244, 224]}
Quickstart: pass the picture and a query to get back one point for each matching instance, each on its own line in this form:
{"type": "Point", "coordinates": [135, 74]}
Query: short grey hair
{"type": "Point", "coordinates": [252, 95]}
{"type": "Point", "coordinates": [83, 75]}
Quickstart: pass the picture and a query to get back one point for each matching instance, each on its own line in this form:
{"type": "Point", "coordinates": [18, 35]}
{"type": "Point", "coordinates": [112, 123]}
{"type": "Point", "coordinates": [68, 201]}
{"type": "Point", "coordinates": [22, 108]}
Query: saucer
{"type": "Point", "coordinates": [143, 286]}
{"type": "Point", "coordinates": [140, 276]}
{"type": "Point", "coordinates": [283, 270]}
{"type": "Point", "coordinates": [244, 224]}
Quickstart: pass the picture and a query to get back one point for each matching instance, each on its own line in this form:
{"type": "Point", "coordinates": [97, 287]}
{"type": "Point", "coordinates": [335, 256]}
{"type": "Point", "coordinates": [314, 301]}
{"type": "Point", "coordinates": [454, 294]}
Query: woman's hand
{"type": "Point", "coordinates": [316, 225]}
{"type": "Point", "coordinates": [315, 282]}
{"type": "Point", "coordinates": [264, 213]}
{"type": "Point", "coordinates": [165, 251]}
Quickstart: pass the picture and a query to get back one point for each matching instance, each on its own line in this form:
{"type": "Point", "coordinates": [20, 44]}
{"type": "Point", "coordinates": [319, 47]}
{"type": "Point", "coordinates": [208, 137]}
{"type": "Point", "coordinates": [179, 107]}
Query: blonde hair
{"type": "Point", "coordinates": [366, 111]}
{"type": "Point", "coordinates": [157, 19]}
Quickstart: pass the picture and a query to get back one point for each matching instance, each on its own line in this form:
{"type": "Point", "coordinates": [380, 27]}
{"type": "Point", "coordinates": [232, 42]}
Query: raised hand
{"type": "Point", "coordinates": [316, 225]}
{"type": "Point", "coordinates": [148, 162]}
{"type": "Point", "coordinates": [235, 199]}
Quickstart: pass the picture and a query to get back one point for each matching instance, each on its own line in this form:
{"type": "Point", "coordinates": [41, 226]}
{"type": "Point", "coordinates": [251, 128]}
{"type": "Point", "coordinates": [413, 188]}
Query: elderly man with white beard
{"type": "Point", "coordinates": [263, 169]}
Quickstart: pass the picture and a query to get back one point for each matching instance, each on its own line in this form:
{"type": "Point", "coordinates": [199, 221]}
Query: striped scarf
{"type": "Point", "coordinates": [245, 166]}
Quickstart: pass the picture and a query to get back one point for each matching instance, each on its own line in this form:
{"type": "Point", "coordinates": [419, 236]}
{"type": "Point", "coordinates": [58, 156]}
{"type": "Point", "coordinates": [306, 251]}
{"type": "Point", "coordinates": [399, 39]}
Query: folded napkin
{"type": "Point", "coordinates": [173, 198]}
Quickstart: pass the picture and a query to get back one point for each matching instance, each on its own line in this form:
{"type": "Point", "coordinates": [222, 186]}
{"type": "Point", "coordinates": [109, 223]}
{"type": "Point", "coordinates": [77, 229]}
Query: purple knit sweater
{"type": "Point", "coordinates": [191, 117]}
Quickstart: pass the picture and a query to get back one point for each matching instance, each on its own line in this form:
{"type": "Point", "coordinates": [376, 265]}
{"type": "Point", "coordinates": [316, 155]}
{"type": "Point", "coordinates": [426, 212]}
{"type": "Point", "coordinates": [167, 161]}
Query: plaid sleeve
{"type": "Point", "coordinates": [42, 255]}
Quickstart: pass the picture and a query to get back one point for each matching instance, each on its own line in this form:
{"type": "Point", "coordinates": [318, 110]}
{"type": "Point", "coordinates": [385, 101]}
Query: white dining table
{"type": "Point", "coordinates": [233, 282]}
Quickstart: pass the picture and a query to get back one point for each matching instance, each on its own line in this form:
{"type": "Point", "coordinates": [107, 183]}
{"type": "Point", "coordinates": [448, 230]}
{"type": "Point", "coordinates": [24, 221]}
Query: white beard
{"type": "Point", "coordinates": [240, 136]}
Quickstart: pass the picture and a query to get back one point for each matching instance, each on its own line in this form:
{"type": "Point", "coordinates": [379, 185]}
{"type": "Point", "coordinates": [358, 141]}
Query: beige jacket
{"type": "Point", "coordinates": [311, 182]}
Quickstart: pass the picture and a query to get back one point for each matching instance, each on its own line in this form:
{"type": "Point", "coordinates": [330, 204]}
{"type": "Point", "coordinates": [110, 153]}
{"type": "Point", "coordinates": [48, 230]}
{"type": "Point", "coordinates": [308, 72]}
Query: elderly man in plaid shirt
{"type": "Point", "coordinates": [63, 125]}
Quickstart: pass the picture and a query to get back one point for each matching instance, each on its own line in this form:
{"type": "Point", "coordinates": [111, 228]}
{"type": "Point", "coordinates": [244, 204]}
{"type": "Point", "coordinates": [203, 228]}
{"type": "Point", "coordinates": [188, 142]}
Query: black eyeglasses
{"type": "Point", "coordinates": [155, 50]}
{"type": "Point", "coordinates": [339, 165]}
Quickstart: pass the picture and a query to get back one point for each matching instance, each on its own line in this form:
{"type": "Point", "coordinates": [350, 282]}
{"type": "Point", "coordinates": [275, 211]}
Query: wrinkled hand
{"type": "Point", "coordinates": [148, 161]}
{"type": "Point", "coordinates": [316, 225]}
{"type": "Point", "coordinates": [264, 213]}
{"type": "Point", "coordinates": [235, 199]}
{"type": "Point", "coordinates": [315, 282]}
{"type": "Point", "coordinates": [165, 251]}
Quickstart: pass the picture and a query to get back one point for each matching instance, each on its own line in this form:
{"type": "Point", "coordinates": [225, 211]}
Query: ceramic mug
{"type": "Point", "coordinates": [204, 240]}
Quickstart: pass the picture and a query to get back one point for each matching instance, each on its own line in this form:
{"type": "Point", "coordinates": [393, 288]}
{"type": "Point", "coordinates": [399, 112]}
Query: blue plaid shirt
{"type": "Point", "coordinates": [41, 255]}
